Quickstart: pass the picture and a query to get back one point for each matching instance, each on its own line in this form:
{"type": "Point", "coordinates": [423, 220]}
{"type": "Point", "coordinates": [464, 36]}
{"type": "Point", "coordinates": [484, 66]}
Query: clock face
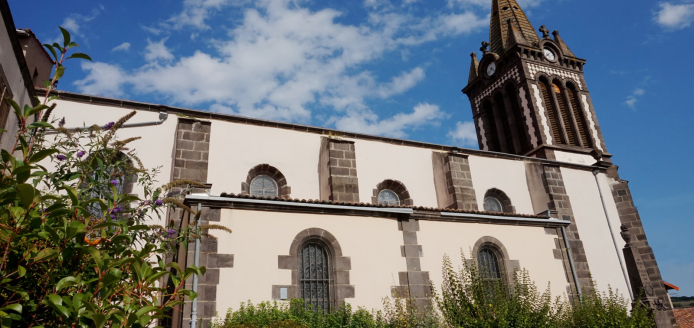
{"type": "Point", "coordinates": [491, 69]}
{"type": "Point", "coordinates": [549, 54]}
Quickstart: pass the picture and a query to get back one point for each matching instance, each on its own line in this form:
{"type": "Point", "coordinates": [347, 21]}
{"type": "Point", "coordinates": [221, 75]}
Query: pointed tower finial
{"type": "Point", "coordinates": [514, 37]}
{"type": "Point", "coordinates": [474, 68]}
{"type": "Point", "coordinates": [564, 48]}
{"type": "Point", "coordinates": [502, 11]}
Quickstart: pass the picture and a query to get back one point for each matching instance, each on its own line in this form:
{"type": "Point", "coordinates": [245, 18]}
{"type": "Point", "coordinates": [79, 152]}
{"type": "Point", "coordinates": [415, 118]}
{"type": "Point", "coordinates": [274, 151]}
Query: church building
{"type": "Point", "coordinates": [332, 216]}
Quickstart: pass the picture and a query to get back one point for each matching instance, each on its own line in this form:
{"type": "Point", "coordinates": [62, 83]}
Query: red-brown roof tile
{"type": "Point", "coordinates": [685, 317]}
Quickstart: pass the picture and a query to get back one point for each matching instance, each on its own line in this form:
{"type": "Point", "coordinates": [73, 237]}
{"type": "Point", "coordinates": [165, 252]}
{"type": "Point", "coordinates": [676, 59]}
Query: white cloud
{"type": "Point", "coordinates": [74, 23]}
{"type": "Point", "coordinates": [195, 12]}
{"type": "Point", "coordinates": [125, 46]}
{"type": "Point", "coordinates": [674, 17]}
{"type": "Point", "coordinates": [152, 30]}
{"type": "Point", "coordinates": [632, 99]}
{"type": "Point", "coordinates": [464, 134]}
{"type": "Point", "coordinates": [286, 62]}
{"type": "Point", "coordinates": [157, 50]}
{"type": "Point", "coordinates": [488, 3]}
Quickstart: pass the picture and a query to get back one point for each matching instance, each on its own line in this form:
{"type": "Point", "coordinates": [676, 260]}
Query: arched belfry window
{"type": "Point", "coordinates": [388, 197]}
{"type": "Point", "coordinates": [315, 276]}
{"type": "Point", "coordinates": [578, 115]}
{"type": "Point", "coordinates": [493, 133]}
{"type": "Point", "coordinates": [552, 113]}
{"type": "Point", "coordinates": [264, 186]}
{"type": "Point", "coordinates": [565, 115]}
{"type": "Point", "coordinates": [519, 118]}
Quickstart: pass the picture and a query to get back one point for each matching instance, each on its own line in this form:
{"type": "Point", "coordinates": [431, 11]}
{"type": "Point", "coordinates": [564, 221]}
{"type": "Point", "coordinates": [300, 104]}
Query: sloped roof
{"type": "Point", "coordinates": [502, 11]}
{"type": "Point", "coordinates": [685, 317]}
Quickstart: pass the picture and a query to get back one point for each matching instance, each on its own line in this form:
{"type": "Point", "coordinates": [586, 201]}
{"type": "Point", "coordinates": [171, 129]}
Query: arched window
{"type": "Point", "coordinates": [490, 270]}
{"type": "Point", "coordinates": [314, 275]}
{"type": "Point", "coordinates": [263, 186]}
{"type": "Point", "coordinates": [506, 126]}
{"type": "Point", "coordinates": [388, 197]}
{"type": "Point", "coordinates": [491, 204]}
{"type": "Point", "coordinates": [578, 115]}
{"type": "Point", "coordinates": [552, 113]}
{"type": "Point", "coordinates": [565, 115]}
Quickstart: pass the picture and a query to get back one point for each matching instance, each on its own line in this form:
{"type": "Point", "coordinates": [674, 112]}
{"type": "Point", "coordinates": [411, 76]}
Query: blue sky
{"type": "Point", "coordinates": [396, 68]}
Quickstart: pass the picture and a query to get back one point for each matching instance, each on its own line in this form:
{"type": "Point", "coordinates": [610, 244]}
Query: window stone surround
{"type": "Point", "coordinates": [501, 196]}
{"type": "Point", "coordinates": [395, 186]}
{"type": "Point", "coordinates": [283, 189]}
{"type": "Point", "coordinates": [508, 266]}
{"type": "Point", "coordinates": [339, 266]}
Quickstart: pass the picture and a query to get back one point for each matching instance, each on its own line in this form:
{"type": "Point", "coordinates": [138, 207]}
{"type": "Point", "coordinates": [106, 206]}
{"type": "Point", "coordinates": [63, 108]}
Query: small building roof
{"type": "Point", "coordinates": [684, 317]}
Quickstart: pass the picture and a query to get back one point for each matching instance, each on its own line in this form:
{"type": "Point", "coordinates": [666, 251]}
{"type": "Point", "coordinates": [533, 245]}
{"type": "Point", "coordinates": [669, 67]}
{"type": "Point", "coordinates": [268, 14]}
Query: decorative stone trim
{"type": "Point", "coordinates": [508, 266]}
{"type": "Point", "coordinates": [338, 265]}
{"type": "Point", "coordinates": [506, 205]}
{"type": "Point", "coordinates": [560, 202]}
{"type": "Point", "coordinates": [343, 181]}
{"type": "Point", "coordinates": [395, 186]}
{"type": "Point", "coordinates": [629, 217]}
{"type": "Point", "coordinates": [283, 190]}
{"type": "Point", "coordinates": [459, 182]}
{"type": "Point", "coordinates": [512, 74]}
{"type": "Point", "coordinates": [413, 283]}
{"type": "Point", "coordinates": [533, 69]}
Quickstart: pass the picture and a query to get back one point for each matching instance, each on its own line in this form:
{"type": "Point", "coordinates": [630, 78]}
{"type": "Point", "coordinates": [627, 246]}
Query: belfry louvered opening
{"type": "Point", "coordinates": [552, 113]}
{"type": "Point", "coordinates": [493, 134]}
{"type": "Point", "coordinates": [505, 124]}
{"type": "Point", "coordinates": [565, 115]}
{"type": "Point", "coordinates": [519, 118]}
{"type": "Point", "coordinates": [578, 115]}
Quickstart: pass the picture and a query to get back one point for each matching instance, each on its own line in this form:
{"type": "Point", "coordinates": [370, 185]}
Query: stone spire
{"type": "Point", "coordinates": [474, 66]}
{"type": "Point", "coordinates": [514, 37]}
{"type": "Point", "coordinates": [564, 48]}
{"type": "Point", "coordinates": [502, 11]}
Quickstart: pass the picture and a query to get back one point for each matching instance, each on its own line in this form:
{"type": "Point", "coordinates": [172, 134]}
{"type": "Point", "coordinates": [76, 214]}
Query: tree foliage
{"type": "Point", "coordinates": [76, 250]}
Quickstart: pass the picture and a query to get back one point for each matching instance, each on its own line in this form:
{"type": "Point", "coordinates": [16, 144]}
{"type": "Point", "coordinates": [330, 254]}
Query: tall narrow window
{"type": "Point", "coordinates": [314, 276]}
{"type": "Point", "coordinates": [508, 136]}
{"type": "Point", "coordinates": [519, 118]}
{"type": "Point", "coordinates": [578, 115]}
{"type": "Point", "coordinates": [552, 113]}
{"type": "Point", "coordinates": [566, 116]}
{"type": "Point", "coordinates": [494, 144]}
{"type": "Point", "coordinates": [490, 270]}
{"type": "Point", "coordinates": [263, 186]}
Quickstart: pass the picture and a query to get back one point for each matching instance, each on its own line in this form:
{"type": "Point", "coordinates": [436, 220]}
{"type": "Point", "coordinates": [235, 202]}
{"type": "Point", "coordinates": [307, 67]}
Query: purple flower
{"type": "Point", "coordinates": [117, 209]}
{"type": "Point", "coordinates": [114, 182]}
{"type": "Point", "coordinates": [62, 122]}
{"type": "Point", "coordinates": [113, 216]}
{"type": "Point", "coordinates": [108, 126]}
{"type": "Point", "coordinates": [61, 157]}
{"type": "Point", "coordinates": [171, 233]}
{"type": "Point", "coordinates": [159, 202]}
{"type": "Point", "coordinates": [80, 153]}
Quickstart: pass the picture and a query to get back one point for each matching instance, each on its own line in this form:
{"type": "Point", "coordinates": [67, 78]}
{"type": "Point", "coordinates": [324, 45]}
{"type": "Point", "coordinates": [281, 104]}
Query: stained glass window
{"type": "Point", "coordinates": [489, 269]}
{"type": "Point", "coordinates": [492, 204]}
{"type": "Point", "coordinates": [263, 186]}
{"type": "Point", "coordinates": [315, 276]}
{"type": "Point", "coordinates": [388, 197]}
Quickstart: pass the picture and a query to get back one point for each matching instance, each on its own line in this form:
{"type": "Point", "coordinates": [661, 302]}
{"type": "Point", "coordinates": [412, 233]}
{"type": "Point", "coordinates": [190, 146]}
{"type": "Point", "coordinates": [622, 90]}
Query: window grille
{"type": "Point", "coordinates": [492, 204]}
{"type": "Point", "coordinates": [388, 197]}
{"type": "Point", "coordinates": [263, 186]}
{"type": "Point", "coordinates": [489, 269]}
{"type": "Point", "coordinates": [315, 277]}
{"type": "Point", "coordinates": [552, 113]}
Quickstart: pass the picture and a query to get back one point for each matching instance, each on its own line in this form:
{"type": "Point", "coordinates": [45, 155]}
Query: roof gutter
{"type": "Point", "coordinates": [506, 220]}
{"type": "Point", "coordinates": [203, 197]}
{"type": "Point", "coordinates": [162, 117]}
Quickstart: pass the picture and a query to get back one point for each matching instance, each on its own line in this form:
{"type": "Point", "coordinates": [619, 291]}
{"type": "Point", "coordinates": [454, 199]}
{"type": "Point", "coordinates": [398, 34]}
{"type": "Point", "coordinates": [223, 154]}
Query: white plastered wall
{"type": "Point", "coordinates": [156, 147]}
{"type": "Point", "coordinates": [259, 237]}
{"type": "Point", "coordinates": [593, 228]}
{"type": "Point", "coordinates": [568, 157]}
{"type": "Point", "coordinates": [505, 175]}
{"type": "Point", "coordinates": [531, 246]}
{"type": "Point", "coordinates": [378, 161]}
{"type": "Point", "coordinates": [237, 148]}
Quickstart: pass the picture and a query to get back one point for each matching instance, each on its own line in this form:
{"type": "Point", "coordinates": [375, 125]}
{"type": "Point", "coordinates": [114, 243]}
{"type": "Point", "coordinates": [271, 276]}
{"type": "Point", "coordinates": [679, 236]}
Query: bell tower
{"type": "Point", "coordinates": [528, 94]}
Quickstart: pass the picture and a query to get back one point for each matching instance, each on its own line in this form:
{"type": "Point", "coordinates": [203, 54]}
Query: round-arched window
{"type": "Point", "coordinates": [263, 186]}
{"type": "Point", "coordinates": [388, 197]}
{"type": "Point", "coordinates": [492, 204]}
{"type": "Point", "coordinates": [490, 270]}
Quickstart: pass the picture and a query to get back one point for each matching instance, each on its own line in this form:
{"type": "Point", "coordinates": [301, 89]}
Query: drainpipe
{"type": "Point", "coordinates": [196, 262]}
{"type": "Point", "coordinates": [162, 117]}
{"type": "Point", "coordinates": [571, 263]}
{"type": "Point", "coordinates": [614, 240]}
